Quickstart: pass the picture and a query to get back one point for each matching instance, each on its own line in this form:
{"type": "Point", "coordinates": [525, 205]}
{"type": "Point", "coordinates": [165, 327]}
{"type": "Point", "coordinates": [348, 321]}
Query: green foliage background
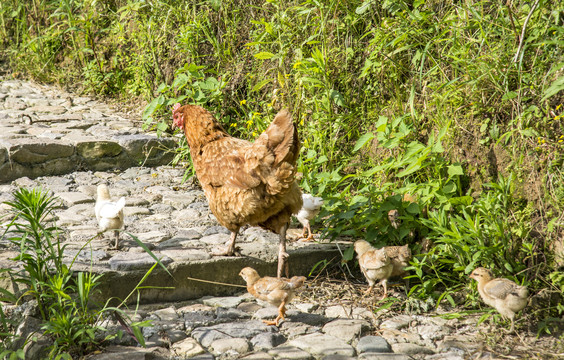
{"type": "Point", "coordinates": [458, 103]}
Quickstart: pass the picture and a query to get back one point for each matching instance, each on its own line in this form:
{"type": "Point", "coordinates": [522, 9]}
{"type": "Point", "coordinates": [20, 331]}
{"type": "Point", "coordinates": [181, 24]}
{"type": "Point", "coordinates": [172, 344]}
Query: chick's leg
{"type": "Point", "coordinates": [282, 254]}
{"type": "Point", "coordinates": [310, 235]}
{"type": "Point", "coordinates": [385, 286]}
{"type": "Point", "coordinates": [230, 250]}
{"type": "Point", "coordinates": [116, 235]}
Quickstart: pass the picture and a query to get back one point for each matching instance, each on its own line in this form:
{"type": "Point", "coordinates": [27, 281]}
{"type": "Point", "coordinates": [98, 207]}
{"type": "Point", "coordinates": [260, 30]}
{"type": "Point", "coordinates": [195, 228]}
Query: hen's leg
{"type": "Point", "coordinates": [230, 250]}
{"type": "Point", "coordinates": [303, 233]}
{"type": "Point", "coordinates": [282, 254]}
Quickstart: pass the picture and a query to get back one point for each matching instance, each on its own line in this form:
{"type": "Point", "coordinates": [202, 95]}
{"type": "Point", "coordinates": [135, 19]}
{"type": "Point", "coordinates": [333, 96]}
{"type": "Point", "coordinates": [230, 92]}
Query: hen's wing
{"type": "Point", "coordinates": [221, 164]}
{"type": "Point", "coordinates": [240, 164]}
{"type": "Point", "coordinates": [273, 156]}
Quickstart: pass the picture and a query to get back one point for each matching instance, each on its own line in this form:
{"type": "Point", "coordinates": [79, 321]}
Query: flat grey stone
{"type": "Point", "coordinates": [47, 109]}
{"type": "Point", "coordinates": [383, 356]}
{"type": "Point", "coordinates": [266, 341]}
{"type": "Point", "coordinates": [135, 210]}
{"type": "Point", "coordinates": [397, 323]}
{"type": "Point", "coordinates": [258, 356]}
{"type": "Point", "coordinates": [215, 230]}
{"type": "Point", "coordinates": [306, 307]}
{"type": "Point", "coordinates": [86, 255]}
{"type": "Point", "coordinates": [75, 198]}
{"type": "Point", "coordinates": [432, 332]}
{"type": "Point", "coordinates": [289, 353]}
{"type": "Point", "coordinates": [216, 239]}
{"type": "Point", "coordinates": [411, 349]}
{"type": "Point", "coordinates": [133, 261]}
{"type": "Point", "coordinates": [226, 302]}
{"type": "Point", "coordinates": [178, 200]}
{"type": "Point", "coordinates": [131, 353]}
{"type": "Point", "coordinates": [34, 151]}
{"type": "Point", "coordinates": [247, 329]}
{"type": "Point", "coordinates": [167, 314]}
{"type": "Point", "coordinates": [238, 345]}
{"type": "Point", "coordinates": [376, 344]}
{"type": "Point", "coordinates": [224, 314]}
{"type": "Point", "coordinates": [346, 329]}
{"type": "Point", "coordinates": [155, 236]}
{"type": "Point", "coordinates": [187, 348]}
{"type": "Point", "coordinates": [187, 214]}
{"type": "Point", "coordinates": [186, 255]}
{"type": "Point", "coordinates": [322, 345]}
{"type": "Point", "coordinates": [338, 357]}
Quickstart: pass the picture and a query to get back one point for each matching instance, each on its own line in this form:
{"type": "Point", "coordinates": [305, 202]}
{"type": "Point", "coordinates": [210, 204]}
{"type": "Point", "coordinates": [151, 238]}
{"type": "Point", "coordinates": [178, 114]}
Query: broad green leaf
{"type": "Point", "coordinates": [151, 107]}
{"type": "Point", "coordinates": [454, 170]}
{"type": "Point", "coordinates": [363, 7]}
{"type": "Point", "coordinates": [260, 85]}
{"type": "Point", "coordinates": [509, 95]}
{"type": "Point", "coordinates": [363, 140]}
{"type": "Point", "coordinates": [337, 98]}
{"type": "Point", "coordinates": [413, 208]}
{"type": "Point", "coordinates": [264, 55]}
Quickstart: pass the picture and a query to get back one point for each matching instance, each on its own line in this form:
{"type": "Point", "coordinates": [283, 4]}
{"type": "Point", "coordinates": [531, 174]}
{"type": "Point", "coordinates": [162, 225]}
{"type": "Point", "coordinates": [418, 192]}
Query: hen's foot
{"type": "Point", "coordinates": [271, 322]}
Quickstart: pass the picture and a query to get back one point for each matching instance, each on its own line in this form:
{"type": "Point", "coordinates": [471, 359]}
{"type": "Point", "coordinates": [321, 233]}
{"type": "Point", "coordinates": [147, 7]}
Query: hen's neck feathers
{"type": "Point", "coordinates": [200, 127]}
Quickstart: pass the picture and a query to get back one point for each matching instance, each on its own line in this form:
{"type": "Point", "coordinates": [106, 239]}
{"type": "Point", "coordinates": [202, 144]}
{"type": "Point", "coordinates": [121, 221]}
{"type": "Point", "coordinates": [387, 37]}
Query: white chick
{"type": "Point", "coordinates": [309, 210]}
{"type": "Point", "coordinates": [109, 214]}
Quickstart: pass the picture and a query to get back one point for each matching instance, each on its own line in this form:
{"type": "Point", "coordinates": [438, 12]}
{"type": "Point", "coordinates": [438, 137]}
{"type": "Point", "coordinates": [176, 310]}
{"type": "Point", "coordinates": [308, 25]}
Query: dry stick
{"type": "Point", "coordinates": [214, 282]}
{"type": "Point", "coordinates": [533, 8]}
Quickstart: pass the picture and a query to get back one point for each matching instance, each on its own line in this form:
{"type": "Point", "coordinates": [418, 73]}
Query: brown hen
{"type": "Point", "coordinates": [275, 291]}
{"type": "Point", "coordinates": [244, 182]}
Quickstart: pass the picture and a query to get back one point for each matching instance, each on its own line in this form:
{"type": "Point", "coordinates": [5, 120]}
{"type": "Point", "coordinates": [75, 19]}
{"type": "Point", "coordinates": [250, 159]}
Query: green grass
{"type": "Point", "coordinates": [432, 98]}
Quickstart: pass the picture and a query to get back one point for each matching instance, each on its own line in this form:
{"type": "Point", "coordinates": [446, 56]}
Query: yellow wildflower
{"type": "Point", "coordinates": [233, 124]}
{"type": "Point", "coordinates": [297, 64]}
{"type": "Point", "coordinates": [287, 76]}
{"type": "Point", "coordinates": [560, 140]}
{"type": "Point", "coordinates": [254, 134]}
{"type": "Point", "coordinates": [242, 102]}
{"type": "Point", "coordinates": [249, 123]}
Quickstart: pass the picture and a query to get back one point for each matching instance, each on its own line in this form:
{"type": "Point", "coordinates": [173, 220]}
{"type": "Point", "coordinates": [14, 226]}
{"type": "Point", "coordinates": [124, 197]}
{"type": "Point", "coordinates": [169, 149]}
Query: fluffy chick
{"type": "Point", "coordinates": [275, 291]}
{"type": "Point", "coordinates": [109, 214]}
{"type": "Point", "coordinates": [310, 209]}
{"type": "Point", "coordinates": [374, 264]}
{"type": "Point", "coordinates": [504, 295]}
{"type": "Point", "coordinates": [399, 257]}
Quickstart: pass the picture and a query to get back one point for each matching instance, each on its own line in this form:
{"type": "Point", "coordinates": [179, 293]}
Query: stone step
{"type": "Point", "coordinates": [173, 220]}
{"type": "Point", "coordinates": [44, 131]}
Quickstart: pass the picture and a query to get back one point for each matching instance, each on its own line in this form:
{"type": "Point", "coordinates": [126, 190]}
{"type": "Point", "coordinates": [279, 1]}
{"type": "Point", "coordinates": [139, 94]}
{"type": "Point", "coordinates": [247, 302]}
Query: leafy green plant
{"type": "Point", "coordinates": [69, 316]}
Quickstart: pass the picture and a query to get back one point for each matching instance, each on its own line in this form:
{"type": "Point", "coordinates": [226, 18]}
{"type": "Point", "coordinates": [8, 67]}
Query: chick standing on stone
{"type": "Point", "coordinates": [374, 264]}
{"type": "Point", "coordinates": [310, 209]}
{"type": "Point", "coordinates": [275, 291]}
{"type": "Point", "coordinates": [504, 295]}
{"type": "Point", "coordinates": [109, 214]}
